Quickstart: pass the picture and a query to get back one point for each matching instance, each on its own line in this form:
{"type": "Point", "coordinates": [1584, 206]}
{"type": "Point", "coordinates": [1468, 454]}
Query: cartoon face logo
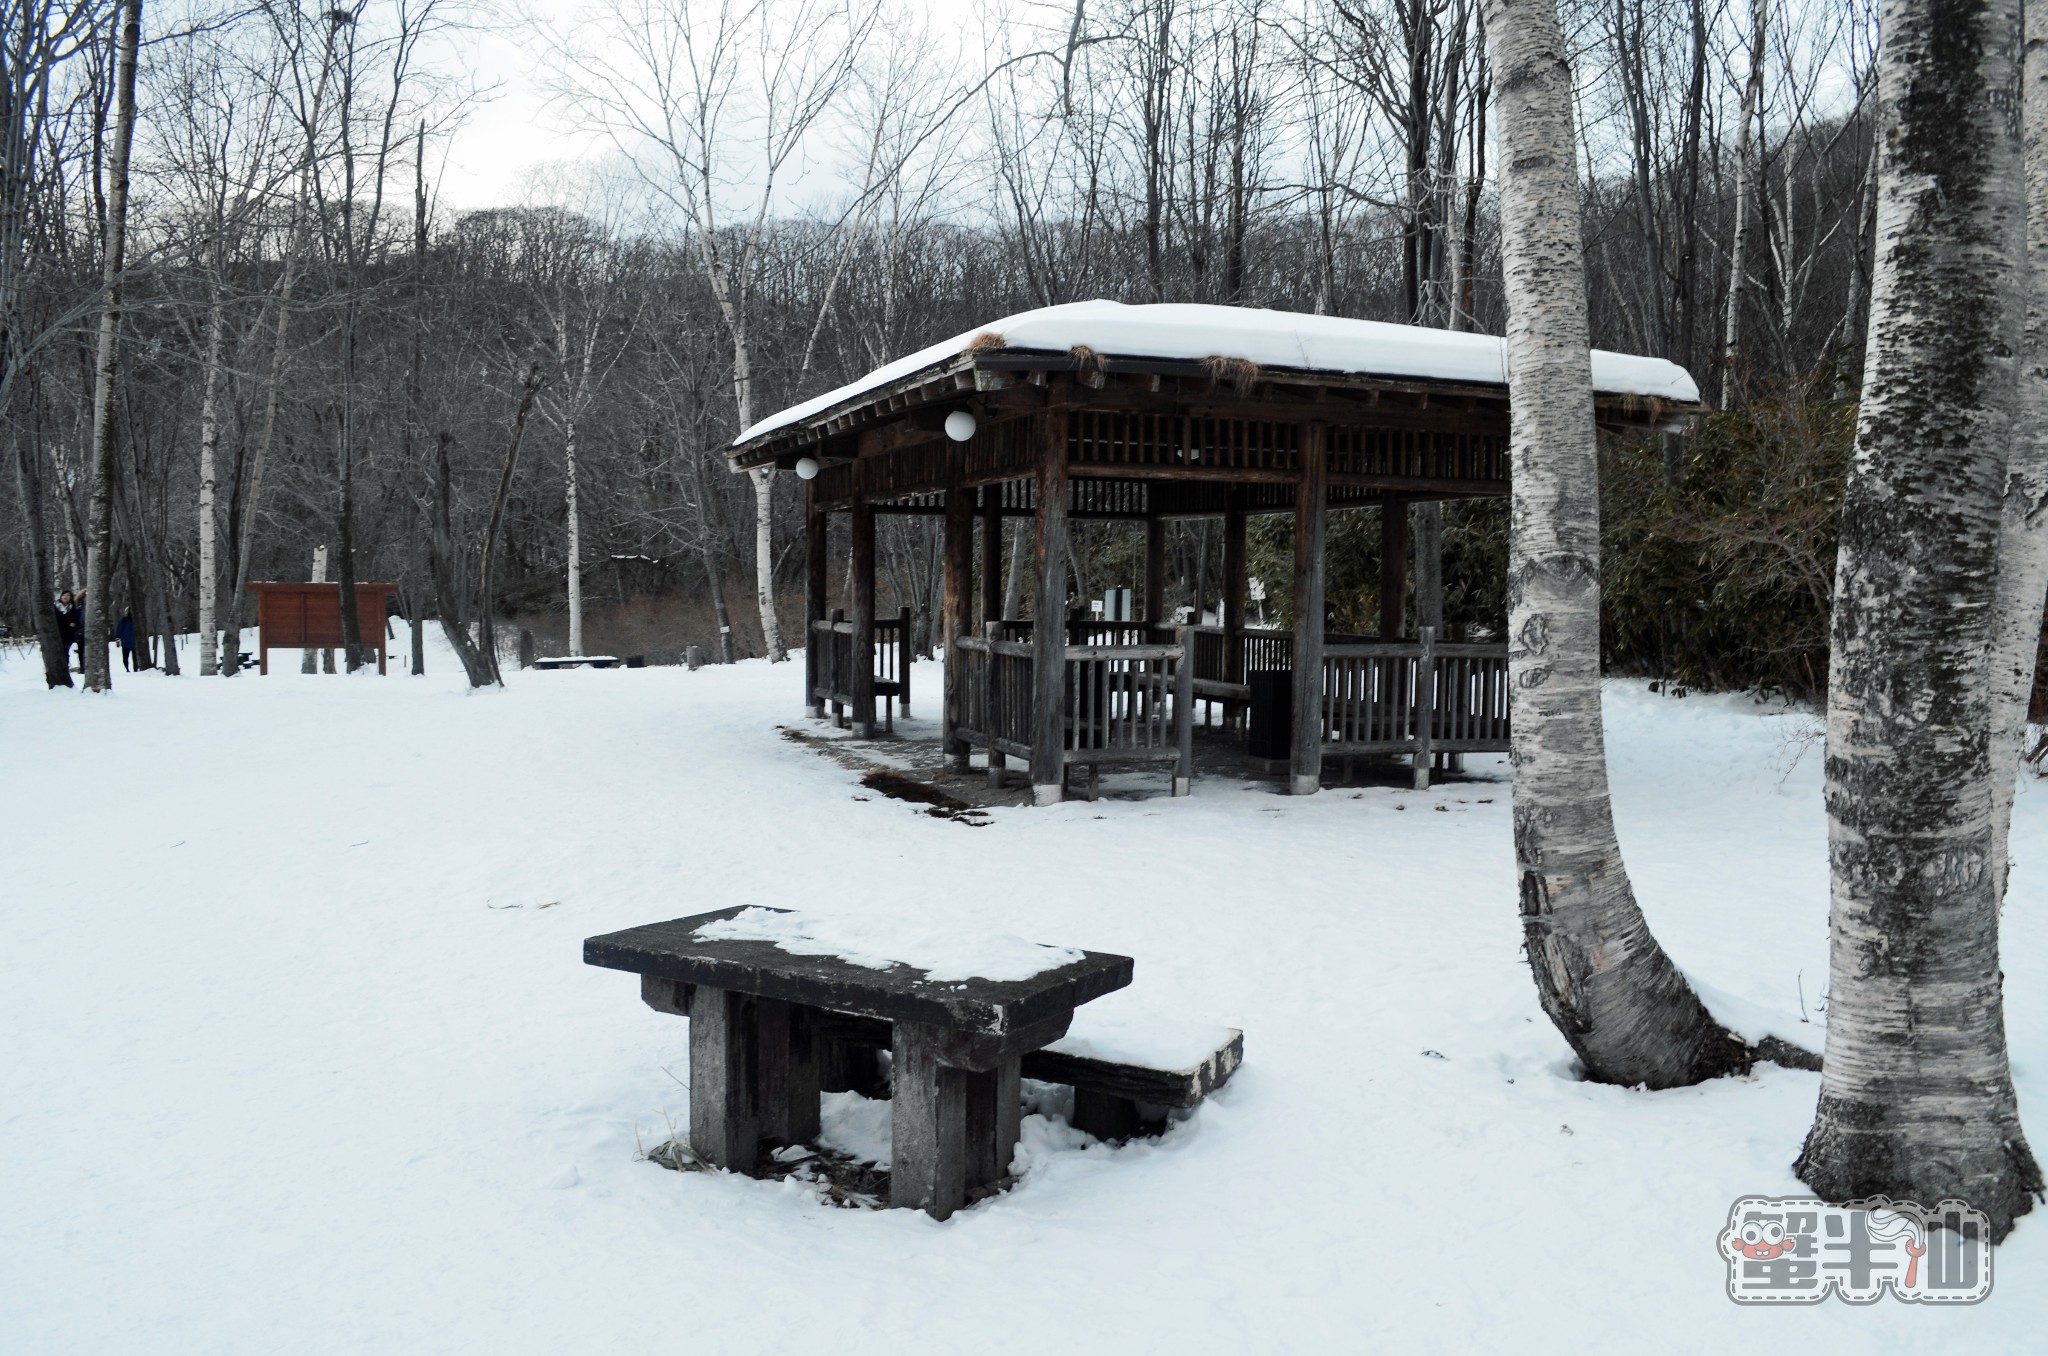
{"type": "Point", "coordinates": [1763, 1240]}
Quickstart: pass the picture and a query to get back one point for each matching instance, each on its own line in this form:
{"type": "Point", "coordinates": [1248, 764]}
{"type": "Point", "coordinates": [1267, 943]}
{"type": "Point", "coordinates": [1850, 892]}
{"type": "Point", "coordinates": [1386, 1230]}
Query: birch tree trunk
{"type": "Point", "coordinates": [209, 452]}
{"type": "Point", "coordinates": [575, 538]}
{"type": "Point", "coordinates": [1916, 1098]}
{"type": "Point", "coordinates": [100, 528]}
{"type": "Point", "coordinates": [308, 660]}
{"type": "Point", "coordinates": [2023, 534]}
{"type": "Point", "coordinates": [1745, 198]}
{"type": "Point", "coordinates": [1600, 975]}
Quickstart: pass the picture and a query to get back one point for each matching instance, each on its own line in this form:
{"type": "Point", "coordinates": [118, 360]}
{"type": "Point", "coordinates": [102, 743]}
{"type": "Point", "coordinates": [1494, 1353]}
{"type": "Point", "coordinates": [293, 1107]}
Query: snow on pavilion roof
{"type": "Point", "coordinates": [1283, 341]}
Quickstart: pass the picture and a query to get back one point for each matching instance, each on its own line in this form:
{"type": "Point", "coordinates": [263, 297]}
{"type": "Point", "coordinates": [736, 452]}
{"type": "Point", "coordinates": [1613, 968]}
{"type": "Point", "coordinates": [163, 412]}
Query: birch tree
{"type": "Point", "coordinates": [1916, 1098]}
{"type": "Point", "coordinates": [2023, 532]}
{"type": "Point", "coordinates": [114, 254]}
{"type": "Point", "coordinates": [1600, 975]}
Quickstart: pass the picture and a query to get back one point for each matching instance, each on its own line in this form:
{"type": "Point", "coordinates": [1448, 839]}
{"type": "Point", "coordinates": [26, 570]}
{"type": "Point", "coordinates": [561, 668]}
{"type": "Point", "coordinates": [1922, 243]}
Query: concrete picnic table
{"type": "Point", "coordinates": [759, 1016]}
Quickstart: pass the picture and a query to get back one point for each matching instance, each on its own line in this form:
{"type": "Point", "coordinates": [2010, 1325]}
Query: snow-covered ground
{"type": "Point", "coordinates": [297, 1051]}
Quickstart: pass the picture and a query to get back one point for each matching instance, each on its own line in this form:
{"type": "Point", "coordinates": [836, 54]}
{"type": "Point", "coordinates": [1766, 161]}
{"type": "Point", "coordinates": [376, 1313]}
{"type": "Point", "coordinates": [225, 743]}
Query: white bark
{"type": "Point", "coordinates": [99, 544]}
{"type": "Point", "coordinates": [209, 450]}
{"type": "Point", "coordinates": [309, 659]}
{"type": "Point", "coordinates": [575, 538]}
{"type": "Point", "coordinates": [1916, 1098]}
{"type": "Point", "coordinates": [2023, 534]}
{"type": "Point", "coordinates": [1745, 197]}
{"type": "Point", "coordinates": [1600, 975]}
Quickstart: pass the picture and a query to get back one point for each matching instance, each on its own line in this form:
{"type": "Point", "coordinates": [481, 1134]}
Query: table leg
{"type": "Point", "coordinates": [721, 1089]}
{"type": "Point", "coordinates": [771, 1068]}
{"type": "Point", "coordinates": [928, 1124]}
{"type": "Point", "coordinates": [786, 1071]}
{"type": "Point", "coordinates": [995, 1115]}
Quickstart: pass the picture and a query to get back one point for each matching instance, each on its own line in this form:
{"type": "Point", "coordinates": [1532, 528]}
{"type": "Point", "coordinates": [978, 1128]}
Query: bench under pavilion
{"type": "Point", "coordinates": [1099, 411]}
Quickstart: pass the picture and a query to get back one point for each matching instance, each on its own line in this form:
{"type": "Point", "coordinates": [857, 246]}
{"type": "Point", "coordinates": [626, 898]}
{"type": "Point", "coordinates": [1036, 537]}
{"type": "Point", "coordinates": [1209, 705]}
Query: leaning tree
{"type": "Point", "coordinates": [1600, 975]}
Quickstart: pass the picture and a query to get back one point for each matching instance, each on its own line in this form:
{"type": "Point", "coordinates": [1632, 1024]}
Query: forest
{"type": "Point", "coordinates": [241, 323]}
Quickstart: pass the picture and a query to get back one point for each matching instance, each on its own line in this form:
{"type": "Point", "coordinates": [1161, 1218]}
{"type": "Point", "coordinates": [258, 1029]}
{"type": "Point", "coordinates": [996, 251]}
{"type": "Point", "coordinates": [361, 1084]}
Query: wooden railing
{"type": "Point", "coordinates": [1372, 694]}
{"type": "Point", "coordinates": [832, 669]}
{"type": "Point", "coordinates": [1119, 703]}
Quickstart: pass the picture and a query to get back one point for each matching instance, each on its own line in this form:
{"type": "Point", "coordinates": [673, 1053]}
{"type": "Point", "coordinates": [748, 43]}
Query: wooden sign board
{"type": "Point", "coordinates": [308, 617]}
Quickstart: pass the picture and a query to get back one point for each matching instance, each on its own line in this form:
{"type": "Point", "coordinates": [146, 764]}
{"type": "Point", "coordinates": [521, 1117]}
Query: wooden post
{"type": "Point", "coordinates": [1184, 714]}
{"type": "Point", "coordinates": [1429, 565]}
{"type": "Point", "coordinates": [1425, 707]}
{"type": "Point", "coordinates": [1234, 589]}
{"type": "Point", "coordinates": [991, 706]}
{"type": "Point", "coordinates": [1048, 630]}
{"type": "Point", "coordinates": [801, 1125]}
{"type": "Point", "coordinates": [995, 1114]}
{"type": "Point", "coordinates": [905, 653]}
{"type": "Point", "coordinates": [1393, 568]}
{"type": "Point", "coordinates": [991, 553]}
{"type": "Point", "coordinates": [958, 620]}
{"type": "Point", "coordinates": [771, 1068]}
{"type": "Point", "coordinates": [835, 681]}
{"type": "Point", "coordinates": [1310, 513]}
{"type": "Point", "coordinates": [1155, 572]}
{"type": "Point", "coordinates": [816, 524]}
{"type": "Point", "coordinates": [928, 1124]}
{"type": "Point", "coordinates": [861, 682]}
{"type": "Point", "coordinates": [721, 1100]}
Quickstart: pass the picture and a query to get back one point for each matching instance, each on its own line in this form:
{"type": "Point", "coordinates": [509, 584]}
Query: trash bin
{"type": "Point", "coordinates": [1270, 731]}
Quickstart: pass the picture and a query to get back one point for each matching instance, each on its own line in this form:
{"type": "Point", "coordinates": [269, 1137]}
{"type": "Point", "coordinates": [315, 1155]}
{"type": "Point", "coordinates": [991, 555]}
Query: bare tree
{"type": "Point", "coordinates": [702, 103]}
{"type": "Point", "coordinates": [114, 254]}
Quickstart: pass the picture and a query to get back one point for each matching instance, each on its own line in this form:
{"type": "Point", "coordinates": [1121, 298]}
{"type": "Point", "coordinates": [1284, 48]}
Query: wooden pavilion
{"type": "Point", "coordinates": [1101, 411]}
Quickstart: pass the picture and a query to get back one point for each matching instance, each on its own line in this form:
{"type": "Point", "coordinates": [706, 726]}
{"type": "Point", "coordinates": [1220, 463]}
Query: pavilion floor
{"type": "Point", "coordinates": [914, 753]}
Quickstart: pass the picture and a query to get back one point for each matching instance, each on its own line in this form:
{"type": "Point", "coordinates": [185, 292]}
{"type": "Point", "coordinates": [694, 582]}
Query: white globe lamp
{"type": "Point", "coordinates": [807, 468]}
{"type": "Point", "coordinates": [960, 425]}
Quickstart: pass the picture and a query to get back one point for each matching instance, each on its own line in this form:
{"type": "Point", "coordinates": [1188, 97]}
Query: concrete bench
{"type": "Point", "coordinates": [1124, 1062]}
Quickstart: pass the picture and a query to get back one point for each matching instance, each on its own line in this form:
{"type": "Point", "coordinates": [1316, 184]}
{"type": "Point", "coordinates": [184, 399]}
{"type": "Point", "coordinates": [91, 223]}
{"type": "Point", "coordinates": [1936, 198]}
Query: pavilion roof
{"type": "Point", "coordinates": [1284, 346]}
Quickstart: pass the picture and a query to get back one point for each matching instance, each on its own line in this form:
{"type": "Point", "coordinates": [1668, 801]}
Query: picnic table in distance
{"type": "Point", "coordinates": [759, 1015]}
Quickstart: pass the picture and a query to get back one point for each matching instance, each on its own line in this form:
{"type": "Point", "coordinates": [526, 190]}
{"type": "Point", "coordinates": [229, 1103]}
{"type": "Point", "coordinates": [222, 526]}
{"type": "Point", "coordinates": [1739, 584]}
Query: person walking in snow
{"type": "Point", "coordinates": [124, 631]}
{"type": "Point", "coordinates": [70, 624]}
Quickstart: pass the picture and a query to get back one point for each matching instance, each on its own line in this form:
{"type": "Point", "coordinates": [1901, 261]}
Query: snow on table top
{"type": "Point", "coordinates": [1182, 331]}
{"type": "Point", "coordinates": [1120, 1029]}
{"type": "Point", "coordinates": [878, 943]}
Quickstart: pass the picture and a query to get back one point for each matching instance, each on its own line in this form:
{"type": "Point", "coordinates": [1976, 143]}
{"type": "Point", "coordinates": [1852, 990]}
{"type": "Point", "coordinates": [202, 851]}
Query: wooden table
{"type": "Point", "coordinates": [759, 1015]}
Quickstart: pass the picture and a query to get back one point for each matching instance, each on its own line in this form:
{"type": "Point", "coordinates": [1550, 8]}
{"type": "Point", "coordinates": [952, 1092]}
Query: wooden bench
{"type": "Point", "coordinates": [1125, 1065]}
{"type": "Point", "coordinates": [576, 661]}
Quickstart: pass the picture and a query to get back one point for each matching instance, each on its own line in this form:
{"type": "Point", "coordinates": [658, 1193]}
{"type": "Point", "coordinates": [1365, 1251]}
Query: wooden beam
{"type": "Point", "coordinates": [958, 552]}
{"type": "Point", "coordinates": [817, 523]}
{"type": "Point", "coordinates": [863, 617]}
{"type": "Point", "coordinates": [1393, 569]}
{"type": "Point", "coordinates": [1235, 583]}
{"type": "Point", "coordinates": [1429, 565]}
{"type": "Point", "coordinates": [1155, 571]}
{"type": "Point", "coordinates": [991, 554]}
{"type": "Point", "coordinates": [1049, 632]}
{"type": "Point", "coordinates": [1310, 510]}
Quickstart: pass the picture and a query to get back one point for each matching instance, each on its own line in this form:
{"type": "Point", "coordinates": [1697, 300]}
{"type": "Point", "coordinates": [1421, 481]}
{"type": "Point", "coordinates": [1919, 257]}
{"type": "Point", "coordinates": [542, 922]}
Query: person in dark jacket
{"type": "Point", "coordinates": [124, 631]}
{"type": "Point", "coordinates": [71, 625]}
